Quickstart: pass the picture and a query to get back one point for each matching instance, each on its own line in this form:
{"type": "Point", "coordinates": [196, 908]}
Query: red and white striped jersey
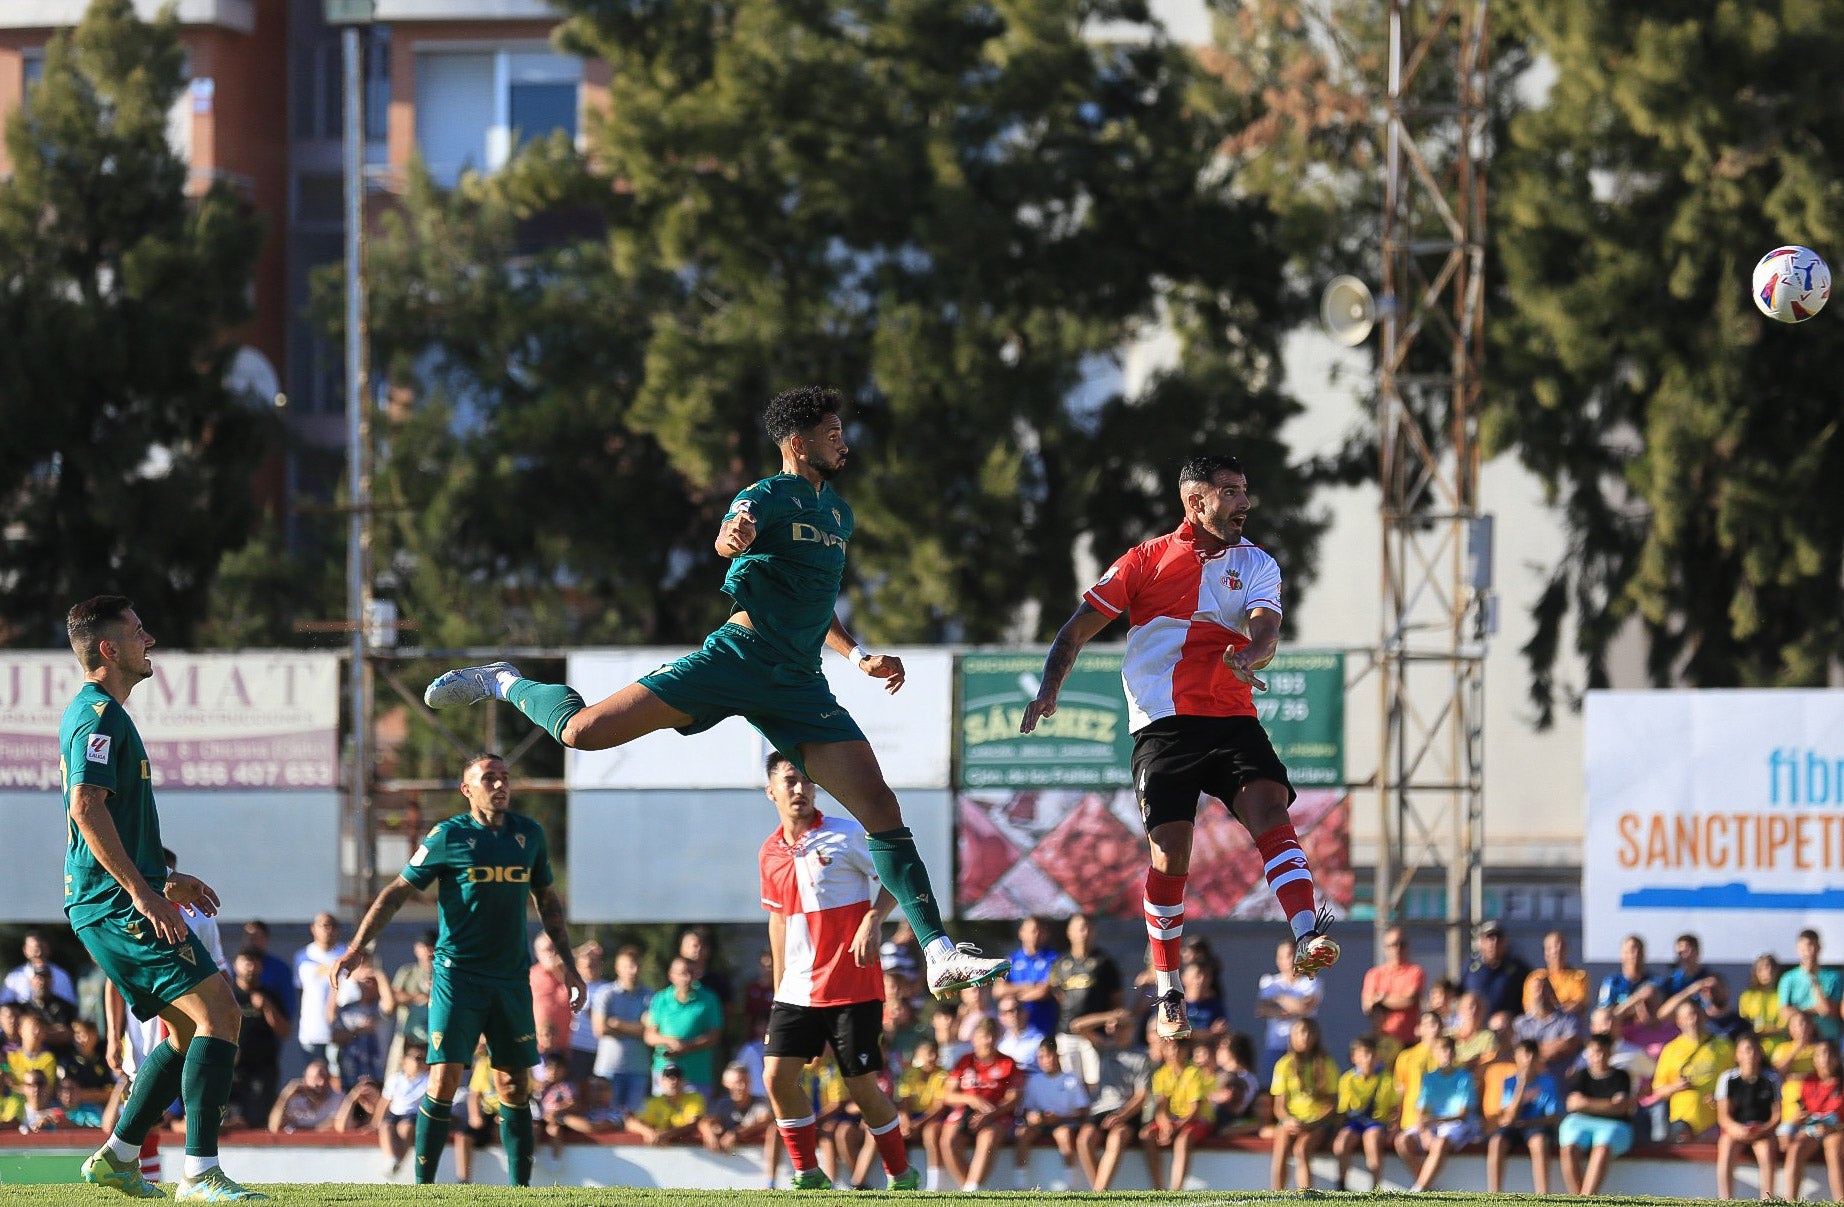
{"type": "Point", "coordinates": [823, 885]}
{"type": "Point", "coordinates": [1186, 609]}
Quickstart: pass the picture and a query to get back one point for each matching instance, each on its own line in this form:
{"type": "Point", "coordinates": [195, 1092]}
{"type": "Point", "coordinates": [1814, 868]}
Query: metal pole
{"type": "Point", "coordinates": [358, 467]}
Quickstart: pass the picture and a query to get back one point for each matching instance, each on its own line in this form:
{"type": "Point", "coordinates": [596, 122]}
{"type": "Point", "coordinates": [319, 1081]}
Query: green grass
{"type": "Point", "coordinates": [330, 1194]}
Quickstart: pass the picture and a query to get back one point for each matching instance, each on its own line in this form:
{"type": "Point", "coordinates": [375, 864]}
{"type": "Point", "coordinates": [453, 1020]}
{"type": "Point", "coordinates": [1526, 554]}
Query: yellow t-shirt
{"type": "Point", "coordinates": [1476, 1049]}
{"type": "Point", "coordinates": [1761, 1007]}
{"type": "Point", "coordinates": [1185, 1091]}
{"type": "Point", "coordinates": [1795, 1070]}
{"type": "Point", "coordinates": [20, 1064]}
{"type": "Point", "coordinates": [484, 1085]}
{"type": "Point", "coordinates": [1702, 1062]}
{"type": "Point", "coordinates": [1372, 1097]}
{"type": "Point", "coordinates": [919, 1090]}
{"type": "Point", "coordinates": [1308, 1094]}
{"type": "Point", "coordinates": [12, 1108]}
{"type": "Point", "coordinates": [1570, 987]}
{"type": "Point", "coordinates": [1409, 1067]}
{"type": "Point", "coordinates": [661, 1112]}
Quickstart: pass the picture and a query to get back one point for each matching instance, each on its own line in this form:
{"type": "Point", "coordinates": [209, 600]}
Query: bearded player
{"type": "Point", "coordinates": [1205, 611]}
{"type": "Point", "coordinates": [785, 538]}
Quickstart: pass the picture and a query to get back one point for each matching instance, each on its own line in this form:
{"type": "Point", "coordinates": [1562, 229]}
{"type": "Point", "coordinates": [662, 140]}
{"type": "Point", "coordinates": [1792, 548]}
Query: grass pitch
{"type": "Point", "coordinates": [328, 1194]}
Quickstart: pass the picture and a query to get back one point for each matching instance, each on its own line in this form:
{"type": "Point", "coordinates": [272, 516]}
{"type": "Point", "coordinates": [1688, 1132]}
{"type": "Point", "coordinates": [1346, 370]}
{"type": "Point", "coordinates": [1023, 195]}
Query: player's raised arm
{"type": "Point", "coordinates": [887, 667]}
{"type": "Point", "coordinates": [1077, 631]}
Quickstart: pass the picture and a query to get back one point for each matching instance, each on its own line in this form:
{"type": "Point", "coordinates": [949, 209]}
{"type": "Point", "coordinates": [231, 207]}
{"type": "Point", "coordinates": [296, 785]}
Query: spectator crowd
{"type": "Point", "coordinates": [1540, 1064]}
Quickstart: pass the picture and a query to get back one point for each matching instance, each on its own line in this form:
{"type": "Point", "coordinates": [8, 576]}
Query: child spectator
{"type": "Point", "coordinates": [1444, 1001]}
{"type": "Point", "coordinates": [1526, 1115]}
{"type": "Point", "coordinates": [1446, 1102]}
{"type": "Point", "coordinates": [1237, 1096]}
{"type": "Point", "coordinates": [983, 1091]}
{"type": "Point", "coordinates": [921, 1095]}
{"type": "Point", "coordinates": [1475, 1044]}
{"type": "Point", "coordinates": [1747, 1112]}
{"type": "Point", "coordinates": [1412, 1065]}
{"type": "Point", "coordinates": [1122, 1085]}
{"type": "Point", "coordinates": [42, 1114]}
{"type": "Point", "coordinates": [1182, 1111]}
{"type": "Point", "coordinates": [71, 1102]}
{"type": "Point", "coordinates": [1366, 1107]}
{"type": "Point", "coordinates": [12, 1102]}
{"type": "Point", "coordinates": [32, 1055]}
{"type": "Point", "coordinates": [595, 1114]}
{"type": "Point", "coordinates": [86, 1067]}
{"type": "Point", "coordinates": [1793, 1059]}
{"type": "Point", "coordinates": [1305, 1089]}
{"type": "Point", "coordinates": [671, 1115]}
{"type": "Point", "coordinates": [1688, 1069]}
{"type": "Point", "coordinates": [1054, 1103]}
{"type": "Point", "coordinates": [737, 1116]}
{"type": "Point", "coordinates": [1280, 998]}
{"type": "Point", "coordinates": [1760, 1002]}
{"type": "Point", "coordinates": [1815, 1125]}
{"type": "Point", "coordinates": [398, 1103]}
{"type": "Point", "coordinates": [1599, 1120]}
{"type": "Point", "coordinates": [309, 1103]}
{"type": "Point", "coordinates": [944, 1025]}
{"type": "Point", "coordinates": [1203, 1001]}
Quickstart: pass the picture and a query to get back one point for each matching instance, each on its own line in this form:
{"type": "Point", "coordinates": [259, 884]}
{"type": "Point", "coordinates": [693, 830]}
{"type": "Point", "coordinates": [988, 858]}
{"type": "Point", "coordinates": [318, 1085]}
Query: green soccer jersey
{"type": "Point", "coordinates": [98, 744]}
{"type": "Point", "coordinates": [485, 876]}
{"type": "Point", "coordinates": [789, 579]}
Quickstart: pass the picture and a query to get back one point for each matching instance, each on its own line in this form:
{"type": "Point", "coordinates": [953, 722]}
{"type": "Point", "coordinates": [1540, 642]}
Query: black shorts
{"type": "Point", "coordinates": [1176, 758]}
{"type": "Point", "coordinates": [856, 1033]}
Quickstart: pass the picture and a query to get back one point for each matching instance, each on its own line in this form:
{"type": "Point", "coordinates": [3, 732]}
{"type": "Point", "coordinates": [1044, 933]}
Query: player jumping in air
{"type": "Point", "coordinates": [785, 538]}
{"type": "Point", "coordinates": [1205, 610]}
{"type": "Point", "coordinates": [485, 862]}
{"type": "Point", "coordinates": [125, 908]}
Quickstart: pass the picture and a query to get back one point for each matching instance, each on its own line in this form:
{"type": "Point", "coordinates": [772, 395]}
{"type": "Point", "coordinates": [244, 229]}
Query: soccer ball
{"type": "Point", "coordinates": [1791, 284]}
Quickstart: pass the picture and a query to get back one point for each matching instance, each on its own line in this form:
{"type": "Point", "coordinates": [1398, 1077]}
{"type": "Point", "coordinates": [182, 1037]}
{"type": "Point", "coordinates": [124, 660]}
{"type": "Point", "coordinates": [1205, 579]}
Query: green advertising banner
{"type": "Point", "coordinates": [1086, 744]}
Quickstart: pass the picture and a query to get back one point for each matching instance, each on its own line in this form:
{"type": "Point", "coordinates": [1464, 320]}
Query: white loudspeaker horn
{"type": "Point", "coordinates": [1347, 310]}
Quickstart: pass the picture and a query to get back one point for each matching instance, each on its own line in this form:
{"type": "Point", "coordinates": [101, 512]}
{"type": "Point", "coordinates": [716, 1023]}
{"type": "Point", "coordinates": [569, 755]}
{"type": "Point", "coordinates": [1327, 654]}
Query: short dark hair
{"type": "Point", "coordinates": [1528, 1046]}
{"type": "Point", "coordinates": [1205, 468]}
{"type": "Point", "coordinates": [86, 624]}
{"type": "Point", "coordinates": [1809, 933]}
{"type": "Point", "coordinates": [774, 760]}
{"type": "Point", "coordinates": [1364, 1043]}
{"type": "Point", "coordinates": [257, 924]}
{"type": "Point", "coordinates": [798, 410]}
{"type": "Point", "coordinates": [485, 756]}
{"type": "Point", "coordinates": [253, 954]}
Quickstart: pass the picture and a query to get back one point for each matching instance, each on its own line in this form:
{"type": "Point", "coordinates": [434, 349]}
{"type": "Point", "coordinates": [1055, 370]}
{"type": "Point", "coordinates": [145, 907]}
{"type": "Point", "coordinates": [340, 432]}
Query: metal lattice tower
{"type": "Point", "coordinates": [1436, 555]}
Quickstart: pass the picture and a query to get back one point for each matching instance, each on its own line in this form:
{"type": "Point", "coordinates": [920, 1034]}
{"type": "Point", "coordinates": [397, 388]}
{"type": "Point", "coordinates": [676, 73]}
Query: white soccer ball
{"type": "Point", "coordinates": [1791, 284]}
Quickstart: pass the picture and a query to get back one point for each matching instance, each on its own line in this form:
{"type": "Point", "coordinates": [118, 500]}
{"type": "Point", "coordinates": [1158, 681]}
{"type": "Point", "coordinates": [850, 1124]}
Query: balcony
{"type": "Point", "coordinates": [239, 16]}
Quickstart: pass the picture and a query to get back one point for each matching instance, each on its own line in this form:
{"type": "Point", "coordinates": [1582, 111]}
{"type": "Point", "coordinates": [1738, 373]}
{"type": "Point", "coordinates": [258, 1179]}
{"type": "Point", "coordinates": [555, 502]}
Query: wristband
{"type": "Point", "coordinates": [859, 654]}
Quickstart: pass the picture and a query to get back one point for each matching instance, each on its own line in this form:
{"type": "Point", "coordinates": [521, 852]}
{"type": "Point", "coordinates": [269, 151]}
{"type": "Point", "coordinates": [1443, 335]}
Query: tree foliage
{"type": "Point", "coordinates": [961, 214]}
{"type": "Point", "coordinates": [127, 466]}
{"type": "Point", "coordinates": [1694, 446]}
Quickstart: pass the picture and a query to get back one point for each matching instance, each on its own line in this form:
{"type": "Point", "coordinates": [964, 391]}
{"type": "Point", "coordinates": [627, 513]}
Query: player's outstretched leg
{"type": "Point", "coordinates": [556, 708]}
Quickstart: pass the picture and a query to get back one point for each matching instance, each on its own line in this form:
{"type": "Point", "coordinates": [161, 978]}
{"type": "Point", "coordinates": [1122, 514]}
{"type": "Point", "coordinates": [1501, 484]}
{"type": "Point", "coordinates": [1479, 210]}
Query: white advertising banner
{"type": "Point", "coordinates": [269, 855]}
{"type": "Point", "coordinates": [229, 722]}
{"type": "Point", "coordinates": [1719, 813]}
{"type": "Point", "coordinates": [910, 731]}
{"type": "Point", "coordinates": [695, 856]}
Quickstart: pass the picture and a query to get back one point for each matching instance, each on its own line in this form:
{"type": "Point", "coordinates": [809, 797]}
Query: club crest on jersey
{"type": "Point", "coordinates": [1231, 580]}
{"type": "Point", "coordinates": [470, 844]}
{"type": "Point", "coordinates": [520, 839]}
{"type": "Point", "coordinates": [836, 517]}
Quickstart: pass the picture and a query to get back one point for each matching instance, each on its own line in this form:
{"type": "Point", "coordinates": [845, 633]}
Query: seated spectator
{"type": "Point", "coordinates": [1238, 1096]}
{"type": "Point", "coordinates": [398, 1102]}
{"type": "Point", "coordinates": [944, 1025]}
{"type": "Point", "coordinates": [1814, 1126]}
{"type": "Point", "coordinates": [1556, 1034]}
{"type": "Point", "coordinates": [1495, 973]}
{"type": "Point", "coordinates": [983, 1093]}
{"type": "Point", "coordinates": [1123, 1083]}
{"type": "Point", "coordinates": [32, 1055]}
{"type": "Point", "coordinates": [1686, 973]}
{"type": "Point", "coordinates": [58, 1013]}
{"type": "Point", "coordinates": [1412, 1065]}
{"type": "Point", "coordinates": [1444, 1001]}
{"type": "Point", "coordinates": [1567, 983]}
{"type": "Point", "coordinates": [595, 1114]}
{"type": "Point", "coordinates": [921, 1096]}
{"type": "Point", "coordinates": [1203, 1004]}
{"type": "Point", "coordinates": [1305, 1090]}
{"type": "Point", "coordinates": [77, 1110]}
{"type": "Point", "coordinates": [1793, 1059]}
{"type": "Point", "coordinates": [1747, 1112]}
{"type": "Point", "coordinates": [85, 1067]}
{"type": "Point", "coordinates": [1632, 992]}
{"type": "Point", "coordinates": [670, 1116]}
{"type": "Point", "coordinates": [902, 1029]}
{"type": "Point", "coordinates": [1281, 998]}
{"type": "Point", "coordinates": [1599, 1119]}
{"type": "Point", "coordinates": [1182, 1113]}
{"type": "Point", "coordinates": [1448, 1102]}
{"type": "Point", "coordinates": [976, 1003]}
{"type": "Point", "coordinates": [1475, 1044]}
{"type": "Point", "coordinates": [1367, 1107]}
{"type": "Point", "coordinates": [1688, 1069]}
{"type": "Point", "coordinates": [1526, 1116]}
{"type": "Point", "coordinates": [737, 1116]}
{"type": "Point", "coordinates": [1760, 1002]}
{"type": "Point", "coordinates": [1054, 1103]}
{"type": "Point", "coordinates": [1637, 1063]}
{"type": "Point", "coordinates": [1018, 1039]}
{"type": "Point", "coordinates": [9, 1027]}
{"type": "Point", "coordinates": [42, 1113]}
{"type": "Point", "coordinates": [1724, 1019]}
{"type": "Point", "coordinates": [12, 1102]}
{"type": "Point", "coordinates": [309, 1103]}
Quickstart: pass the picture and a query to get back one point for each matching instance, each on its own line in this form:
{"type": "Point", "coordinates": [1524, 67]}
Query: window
{"type": "Point", "coordinates": [320, 94]}
{"type": "Point", "coordinates": [474, 107]}
{"type": "Point", "coordinates": [32, 67]}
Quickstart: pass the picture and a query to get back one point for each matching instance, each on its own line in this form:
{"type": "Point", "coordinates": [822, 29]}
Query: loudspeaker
{"type": "Point", "coordinates": [1347, 310]}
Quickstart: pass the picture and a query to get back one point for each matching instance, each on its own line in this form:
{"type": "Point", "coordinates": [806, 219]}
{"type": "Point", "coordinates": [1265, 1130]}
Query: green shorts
{"type": "Point", "coordinates": [151, 974]}
{"type": "Point", "coordinates": [734, 675]}
{"type": "Point", "coordinates": [464, 1008]}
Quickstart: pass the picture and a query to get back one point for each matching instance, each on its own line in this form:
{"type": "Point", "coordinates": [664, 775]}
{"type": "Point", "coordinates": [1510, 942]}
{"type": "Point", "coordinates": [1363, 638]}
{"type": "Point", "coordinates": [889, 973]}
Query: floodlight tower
{"type": "Point", "coordinates": [1436, 565]}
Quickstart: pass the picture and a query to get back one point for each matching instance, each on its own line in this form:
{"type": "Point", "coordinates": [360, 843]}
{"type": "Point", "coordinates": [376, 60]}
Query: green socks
{"type": "Point", "coordinates": [156, 1084]}
{"type": "Point", "coordinates": [205, 1087]}
{"type": "Point", "coordinates": [515, 1132]}
{"type": "Point", "coordinates": [431, 1137]}
{"type": "Point", "coordinates": [549, 705]}
{"type": "Point", "coordinates": [899, 866]}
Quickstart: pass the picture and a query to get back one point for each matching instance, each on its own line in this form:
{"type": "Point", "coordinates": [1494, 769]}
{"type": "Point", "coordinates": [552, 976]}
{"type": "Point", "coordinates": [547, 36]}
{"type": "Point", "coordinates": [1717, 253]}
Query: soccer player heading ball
{"type": "Point", "coordinates": [785, 538]}
{"type": "Point", "coordinates": [1205, 607]}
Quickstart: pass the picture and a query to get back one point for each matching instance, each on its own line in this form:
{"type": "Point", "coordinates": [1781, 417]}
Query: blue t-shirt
{"type": "Point", "coordinates": [1035, 970]}
{"type": "Point", "coordinates": [1501, 988]}
{"type": "Point", "coordinates": [1616, 987]}
{"type": "Point", "coordinates": [1447, 1092]}
{"type": "Point", "coordinates": [1545, 1101]}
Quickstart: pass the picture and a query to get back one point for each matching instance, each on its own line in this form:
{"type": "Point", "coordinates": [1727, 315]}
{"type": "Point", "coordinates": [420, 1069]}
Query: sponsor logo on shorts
{"type": "Point", "coordinates": [96, 747]}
